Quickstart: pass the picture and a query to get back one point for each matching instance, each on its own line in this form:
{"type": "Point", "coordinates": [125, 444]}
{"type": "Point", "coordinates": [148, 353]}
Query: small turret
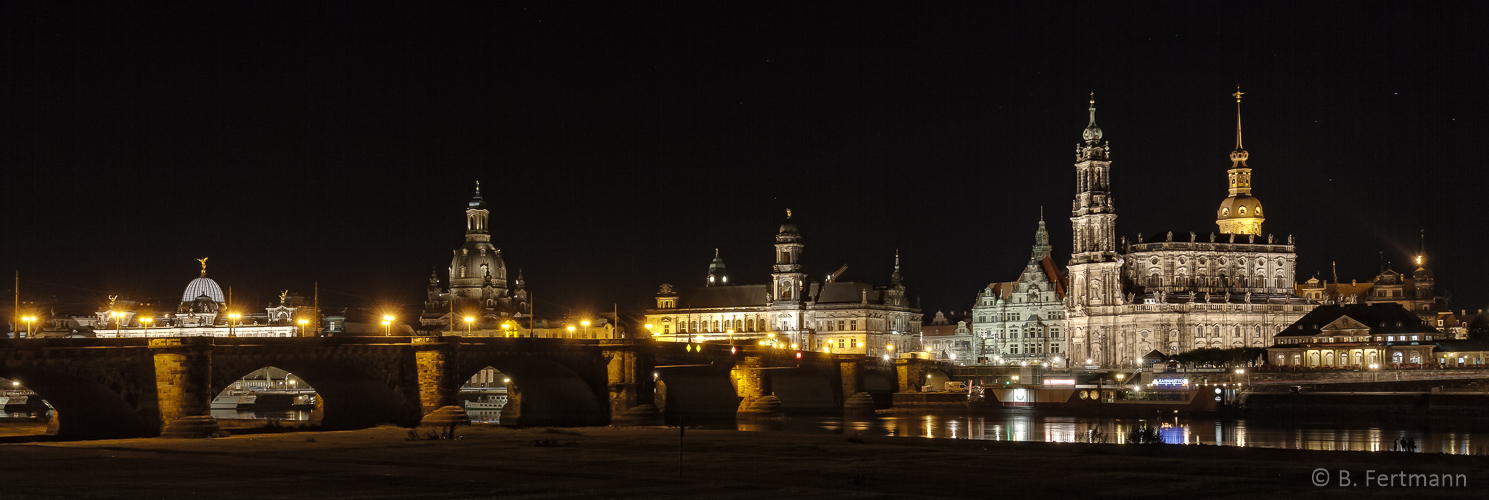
{"type": "Point", "coordinates": [716, 274]}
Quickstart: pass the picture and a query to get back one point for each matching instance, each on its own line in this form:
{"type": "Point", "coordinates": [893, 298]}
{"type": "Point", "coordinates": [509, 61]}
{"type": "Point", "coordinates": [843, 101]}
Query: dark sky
{"type": "Point", "coordinates": [294, 142]}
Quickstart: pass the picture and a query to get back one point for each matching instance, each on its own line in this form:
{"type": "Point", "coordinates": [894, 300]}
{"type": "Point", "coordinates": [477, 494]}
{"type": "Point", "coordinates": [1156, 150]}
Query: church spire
{"type": "Point", "coordinates": [1041, 239]}
{"type": "Point", "coordinates": [1239, 155]}
{"type": "Point", "coordinates": [895, 278]}
{"type": "Point", "coordinates": [1092, 134]}
{"type": "Point", "coordinates": [1240, 212]}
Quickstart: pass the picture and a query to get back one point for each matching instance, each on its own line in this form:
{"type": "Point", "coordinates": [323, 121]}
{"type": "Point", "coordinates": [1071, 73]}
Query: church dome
{"type": "Point", "coordinates": [1241, 206]}
{"type": "Point", "coordinates": [203, 286]}
{"type": "Point", "coordinates": [473, 261]}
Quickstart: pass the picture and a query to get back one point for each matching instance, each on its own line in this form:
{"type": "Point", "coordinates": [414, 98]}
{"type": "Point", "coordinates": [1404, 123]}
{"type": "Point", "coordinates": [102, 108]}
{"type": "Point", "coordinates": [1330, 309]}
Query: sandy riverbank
{"type": "Point", "coordinates": [614, 462]}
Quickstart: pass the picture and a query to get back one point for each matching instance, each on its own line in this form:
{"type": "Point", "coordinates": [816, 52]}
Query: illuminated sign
{"type": "Point", "coordinates": [1170, 382]}
{"type": "Point", "coordinates": [1059, 381]}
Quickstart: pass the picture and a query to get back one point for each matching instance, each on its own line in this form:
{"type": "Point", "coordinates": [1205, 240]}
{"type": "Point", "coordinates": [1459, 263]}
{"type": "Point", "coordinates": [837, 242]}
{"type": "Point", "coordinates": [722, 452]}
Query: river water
{"type": "Point", "coordinates": [1033, 426]}
{"type": "Point", "coordinates": [1428, 437]}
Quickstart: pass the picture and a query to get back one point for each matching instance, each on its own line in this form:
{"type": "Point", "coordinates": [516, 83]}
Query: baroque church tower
{"type": "Point", "coordinates": [788, 277]}
{"type": "Point", "coordinates": [1094, 263]}
{"type": "Point", "coordinates": [1240, 213]}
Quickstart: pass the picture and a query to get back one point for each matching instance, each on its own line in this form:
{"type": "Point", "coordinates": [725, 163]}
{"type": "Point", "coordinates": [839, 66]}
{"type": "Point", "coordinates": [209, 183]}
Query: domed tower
{"type": "Point", "coordinates": [1239, 213]}
{"type": "Point", "coordinates": [716, 275]}
{"type": "Point", "coordinates": [477, 261]}
{"type": "Point", "coordinates": [788, 278]}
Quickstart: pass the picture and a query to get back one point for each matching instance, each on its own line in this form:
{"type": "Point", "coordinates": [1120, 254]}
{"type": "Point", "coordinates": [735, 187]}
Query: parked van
{"type": "Point", "coordinates": [956, 387]}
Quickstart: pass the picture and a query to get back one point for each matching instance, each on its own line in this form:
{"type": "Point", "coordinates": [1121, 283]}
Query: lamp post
{"type": "Point", "coordinates": [571, 331]}
{"type": "Point", "coordinates": [468, 321]}
{"type": "Point", "coordinates": [118, 322]}
{"type": "Point", "coordinates": [232, 320]}
{"type": "Point", "coordinates": [28, 320]}
{"type": "Point", "coordinates": [586, 327]}
{"type": "Point", "coordinates": [649, 333]}
{"type": "Point", "coordinates": [388, 325]}
{"type": "Point", "coordinates": [303, 322]}
{"type": "Point", "coordinates": [145, 322]}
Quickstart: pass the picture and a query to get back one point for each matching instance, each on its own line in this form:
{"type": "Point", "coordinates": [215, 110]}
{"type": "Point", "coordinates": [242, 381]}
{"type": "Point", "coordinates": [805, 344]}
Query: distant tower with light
{"type": "Point", "coordinates": [716, 274]}
{"type": "Point", "coordinates": [1239, 213]}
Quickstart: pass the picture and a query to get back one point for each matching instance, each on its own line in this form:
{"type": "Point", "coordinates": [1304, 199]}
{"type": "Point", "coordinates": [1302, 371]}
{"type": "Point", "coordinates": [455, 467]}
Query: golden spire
{"type": "Point", "coordinates": [203, 260]}
{"type": "Point", "coordinates": [1239, 156]}
{"type": "Point", "coordinates": [1238, 95]}
{"type": "Point", "coordinates": [788, 213]}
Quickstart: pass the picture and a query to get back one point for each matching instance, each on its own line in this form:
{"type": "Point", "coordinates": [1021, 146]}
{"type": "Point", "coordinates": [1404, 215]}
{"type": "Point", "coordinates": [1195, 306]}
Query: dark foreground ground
{"type": "Point", "coordinates": [643, 463]}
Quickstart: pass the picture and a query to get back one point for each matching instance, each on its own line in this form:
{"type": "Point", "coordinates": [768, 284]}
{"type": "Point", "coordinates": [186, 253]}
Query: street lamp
{"type": "Point", "coordinates": [571, 331]}
{"type": "Point", "coordinates": [468, 321]}
{"type": "Point", "coordinates": [28, 320]}
{"type": "Point", "coordinates": [232, 319]}
{"type": "Point", "coordinates": [586, 327]}
{"type": "Point", "coordinates": [388, 325]}
{"type": "Point", "coordinates": [303, 322]}
{"type": "Point", "coordinates": [507, 329]}
{"type": "Point", "coordinates": [143, 322]}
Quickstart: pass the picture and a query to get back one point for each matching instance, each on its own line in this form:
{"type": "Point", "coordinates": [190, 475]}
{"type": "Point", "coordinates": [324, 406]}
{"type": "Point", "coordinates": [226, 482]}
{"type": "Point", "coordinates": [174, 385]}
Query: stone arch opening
{"type": "Point", "coordinates": [936, 379]}
{"type": "Point", "coordinates": [89, 408]}
{"type": "Point", "coordinates": [268, 394]}
{"type": "Point", "coordinates": [484, 395]}
{"type": "Point", "coordinates": [347, 397]}
{"type": "Point", "coordinates": [695, 393]}
{"type": "Point", "coordinates": [543, 391]}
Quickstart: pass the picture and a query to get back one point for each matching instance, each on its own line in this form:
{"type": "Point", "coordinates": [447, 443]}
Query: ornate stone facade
{"type": "Point", "coordinates": [1166, 294]}
{"type": "Point", "coordinates": [790, 312]}
{"type": "Point", "coordinates": [478, 280]}
{"type": "Point", "coordinates": [1024, 320]}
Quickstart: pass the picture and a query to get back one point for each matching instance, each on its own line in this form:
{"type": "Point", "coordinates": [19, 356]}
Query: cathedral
{"type": "Point", "coordinates": [1173, 292]}
{"type": "Point", "coordinates": [790, 312]}
{"type": "Point", "coordinates": [478, 283]}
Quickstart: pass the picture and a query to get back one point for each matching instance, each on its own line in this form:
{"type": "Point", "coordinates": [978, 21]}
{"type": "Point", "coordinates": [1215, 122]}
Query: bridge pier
{"type": "Point", "coordinates": [909, 375]}
{"type": "Point", "coordinates": [434, 357]}
{"type": "Point", "coordinates": [631, 387]}
{"type": "Point", "coordinates": [850, 373]}
{"type": "Point", "coordinates": [753, 387]}
{"type": "Point", "coordinates": [183, 382]}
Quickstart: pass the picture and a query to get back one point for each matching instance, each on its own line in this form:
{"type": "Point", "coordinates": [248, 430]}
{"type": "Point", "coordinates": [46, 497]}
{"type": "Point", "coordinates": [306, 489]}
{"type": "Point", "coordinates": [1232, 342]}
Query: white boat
{"type": "Point", "coordinates": [487, 402]}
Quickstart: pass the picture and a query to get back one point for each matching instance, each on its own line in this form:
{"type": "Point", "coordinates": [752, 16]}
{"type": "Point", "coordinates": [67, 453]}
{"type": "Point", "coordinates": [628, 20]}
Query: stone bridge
{"type": "Point", "coordinates": [105, 388]}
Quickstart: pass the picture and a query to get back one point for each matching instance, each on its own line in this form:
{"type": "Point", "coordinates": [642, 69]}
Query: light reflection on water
{"type": "Point", "coordinates": [1030, 426]}
{"type": "Point", "coordinates": [246, 414]}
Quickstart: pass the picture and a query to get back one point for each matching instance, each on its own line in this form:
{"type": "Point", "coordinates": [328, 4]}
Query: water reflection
{"type": "Point", "coordinates": [1032, 426]}
{"type": "Point", "coordinates": [247, 414]}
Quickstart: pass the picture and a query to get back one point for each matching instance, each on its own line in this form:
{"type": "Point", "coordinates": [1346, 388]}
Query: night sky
{"type": "Point", "coordinates": [301, 142]}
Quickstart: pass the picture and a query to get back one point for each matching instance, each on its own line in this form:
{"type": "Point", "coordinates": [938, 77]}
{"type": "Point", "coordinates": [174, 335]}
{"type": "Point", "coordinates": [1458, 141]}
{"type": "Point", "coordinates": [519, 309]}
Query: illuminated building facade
{"type": "Point", "coordinates": [1416, 292]}
{"type": "Point", "coordinates": [478, 283]}
{"type": "Point", "coordinates": [1356, 336]}
{"type": "Point", "coordinates": [946, 341]}
{"type": "Point", "coordinates": [790, 312]}
{"type": "Point", "coordinates": [203, 312]}
{"type": "Point", "coordinates": [1024, 320]}
{"type": "Point", "coordinates": [1235, 289]}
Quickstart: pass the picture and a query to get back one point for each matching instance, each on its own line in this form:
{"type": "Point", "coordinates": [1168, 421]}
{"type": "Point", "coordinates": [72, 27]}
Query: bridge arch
{"type": "Point", "coordinates": [355, 392]}
{"type": "Point", "coordinates": [94, 403]}
{"type": "Point", "coordinates": [542, 390]}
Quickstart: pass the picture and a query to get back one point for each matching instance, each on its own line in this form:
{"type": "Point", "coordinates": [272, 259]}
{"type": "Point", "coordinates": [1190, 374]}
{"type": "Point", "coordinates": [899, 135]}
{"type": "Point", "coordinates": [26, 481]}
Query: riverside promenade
{"type": "Point", "coordinates": [643, 462]}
